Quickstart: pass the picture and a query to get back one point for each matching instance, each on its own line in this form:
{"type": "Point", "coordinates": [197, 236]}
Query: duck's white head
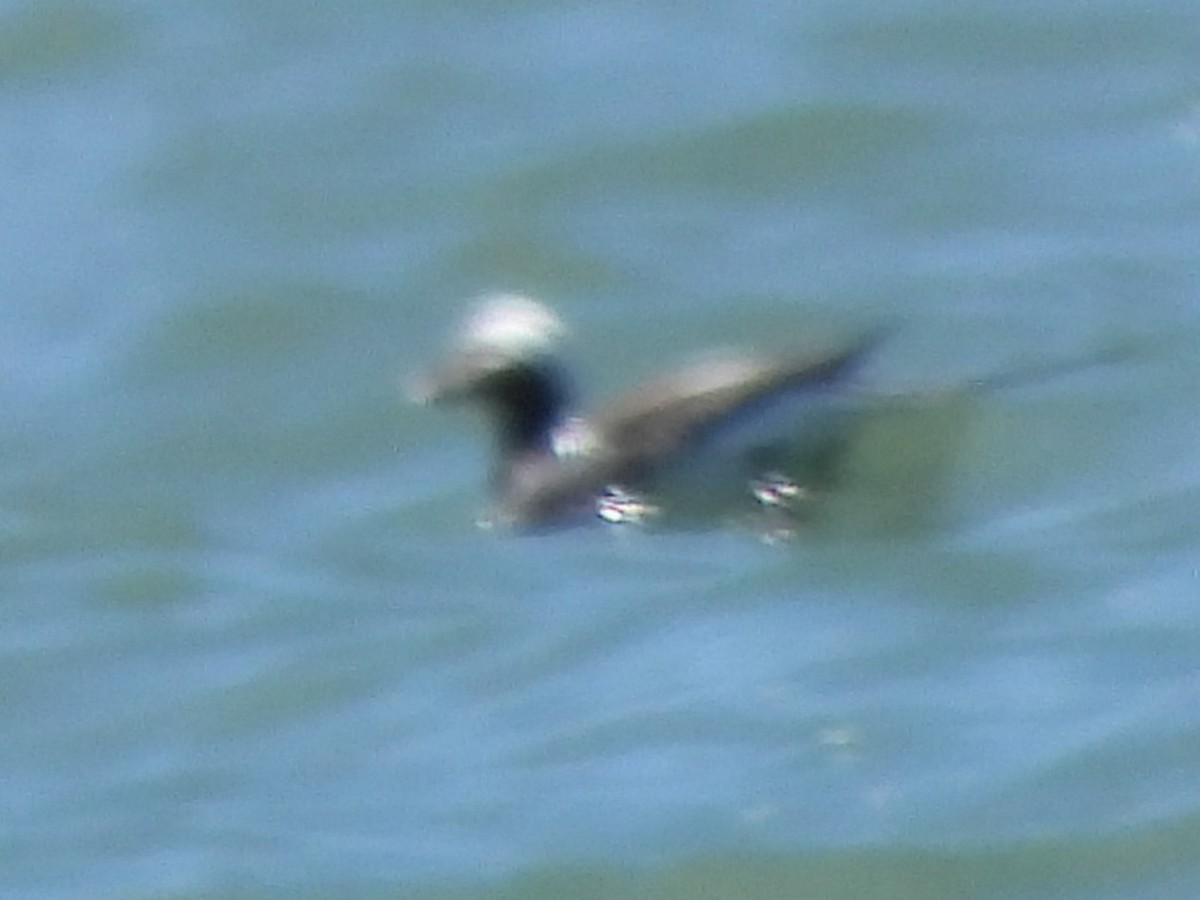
{"type": "Point", "coordinates": [503, 335]}
{"type": "Point", "coordinates": [502, 360]}
{"type": "Point", "coordinates": [511, 324]}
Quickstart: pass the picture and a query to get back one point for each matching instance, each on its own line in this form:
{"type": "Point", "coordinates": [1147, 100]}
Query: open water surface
{"type": "Point", "coordinates": [252, 644]}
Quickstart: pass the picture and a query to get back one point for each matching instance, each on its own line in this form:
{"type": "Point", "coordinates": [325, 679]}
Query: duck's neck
{"type": "Point", "coordinates": [528, 404]}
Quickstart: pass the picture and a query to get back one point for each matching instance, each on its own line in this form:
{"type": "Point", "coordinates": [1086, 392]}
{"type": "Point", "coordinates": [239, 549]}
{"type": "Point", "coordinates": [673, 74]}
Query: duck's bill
{"type": "Point", "coordinates": [453, 380]}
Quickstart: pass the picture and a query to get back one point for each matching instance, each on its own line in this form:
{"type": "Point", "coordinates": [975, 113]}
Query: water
{"type": "Point", "coordinates": [253, 645]}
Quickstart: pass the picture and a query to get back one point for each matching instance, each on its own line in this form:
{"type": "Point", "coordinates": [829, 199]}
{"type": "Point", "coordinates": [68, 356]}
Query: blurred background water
{"type": "Point", "coordinates": [252, 643]}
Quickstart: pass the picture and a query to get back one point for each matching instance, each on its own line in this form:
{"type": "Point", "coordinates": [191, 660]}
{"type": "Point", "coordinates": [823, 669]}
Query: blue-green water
{"type": "Point", "coordinates": [252, 643]}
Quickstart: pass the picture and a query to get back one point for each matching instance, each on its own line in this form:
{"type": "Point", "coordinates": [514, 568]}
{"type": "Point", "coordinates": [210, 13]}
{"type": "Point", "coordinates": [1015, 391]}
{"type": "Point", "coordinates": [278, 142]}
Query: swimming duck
{"type": "Point", "coordinates": [728, 429]}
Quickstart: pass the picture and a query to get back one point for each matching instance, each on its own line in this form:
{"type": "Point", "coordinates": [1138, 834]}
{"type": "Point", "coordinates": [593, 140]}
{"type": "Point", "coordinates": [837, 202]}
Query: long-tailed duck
{"type": "Point", "coordinates": [726, 430]}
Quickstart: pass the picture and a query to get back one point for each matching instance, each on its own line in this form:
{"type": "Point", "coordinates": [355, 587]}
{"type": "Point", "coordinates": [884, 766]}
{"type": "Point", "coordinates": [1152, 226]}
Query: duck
{"type": "Point", "coordinates": [729, 430]}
